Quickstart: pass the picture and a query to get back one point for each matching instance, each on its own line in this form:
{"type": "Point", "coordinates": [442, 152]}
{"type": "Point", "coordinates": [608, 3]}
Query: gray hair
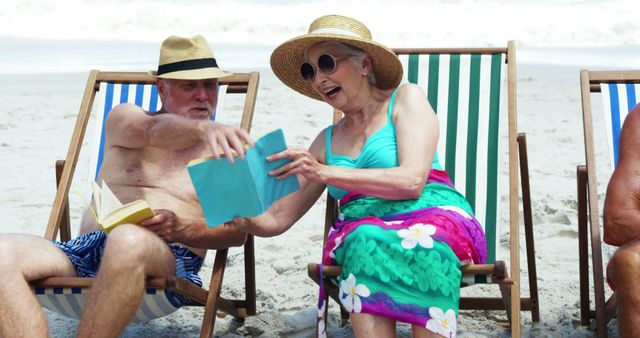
{"type": "Point", "coordinates": [355, 54]}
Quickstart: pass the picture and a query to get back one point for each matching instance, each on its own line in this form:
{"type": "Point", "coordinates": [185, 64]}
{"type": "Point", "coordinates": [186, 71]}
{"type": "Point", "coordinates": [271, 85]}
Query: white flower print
{"type": "Point", "coordinates": [417, 233]}
{"type": "Point", "coordinates": [393, 222]}
{"type": "Point", "coordinates": [332, 253]}
{"type": "Point", "coordinates": [443, 323]}
{"type": "Point", "coordinates": [459, 210]}
{"type": "Point", "coordinates": [350, 294]}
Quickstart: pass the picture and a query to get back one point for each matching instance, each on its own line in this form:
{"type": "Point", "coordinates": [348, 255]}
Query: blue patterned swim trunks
{"type": "Point", "coordinates": [85, 253]}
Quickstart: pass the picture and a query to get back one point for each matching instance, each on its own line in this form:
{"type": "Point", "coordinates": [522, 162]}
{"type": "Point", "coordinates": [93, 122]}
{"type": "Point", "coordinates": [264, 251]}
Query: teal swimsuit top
{"type": "Point", "coordinates": [379, 151]}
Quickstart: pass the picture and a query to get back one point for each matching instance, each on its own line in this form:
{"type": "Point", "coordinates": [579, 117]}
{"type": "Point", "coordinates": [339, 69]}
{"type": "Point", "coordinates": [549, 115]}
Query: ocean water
{"type": "Point", "coordinates": [74, 35]}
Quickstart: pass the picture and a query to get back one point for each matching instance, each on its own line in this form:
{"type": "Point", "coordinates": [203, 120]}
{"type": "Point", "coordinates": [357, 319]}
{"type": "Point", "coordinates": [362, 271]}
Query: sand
{"type": "Point", "coordinates": [38, 113]}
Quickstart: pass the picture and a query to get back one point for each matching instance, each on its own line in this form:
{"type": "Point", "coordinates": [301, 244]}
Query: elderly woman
{"type": "Point", "coordinates": [404, 231]}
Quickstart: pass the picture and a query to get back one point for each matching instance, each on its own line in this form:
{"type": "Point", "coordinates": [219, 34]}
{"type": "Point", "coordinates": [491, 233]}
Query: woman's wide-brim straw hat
{"type": "Point", "coordinates": [287, 58]}
{"type": "Point", "coordinates": [187, 59]}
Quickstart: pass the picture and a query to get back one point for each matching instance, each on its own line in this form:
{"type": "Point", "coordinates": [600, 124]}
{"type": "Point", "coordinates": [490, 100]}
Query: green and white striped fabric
{"type": "Point", "coordinates": [465, 91]}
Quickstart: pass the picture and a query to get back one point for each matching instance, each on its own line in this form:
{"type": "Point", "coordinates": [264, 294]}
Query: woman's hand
{"type": "Point", "coordinates": [302, 163]}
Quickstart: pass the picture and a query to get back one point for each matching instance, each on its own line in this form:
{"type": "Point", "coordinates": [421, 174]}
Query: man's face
{"type": "Point", "coordinates": [194, 99]}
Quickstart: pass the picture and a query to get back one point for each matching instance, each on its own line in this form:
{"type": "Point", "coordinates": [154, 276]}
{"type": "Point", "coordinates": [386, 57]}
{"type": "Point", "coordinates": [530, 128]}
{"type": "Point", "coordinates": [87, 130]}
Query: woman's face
{"type": "Point", "coordinates": [331, 74]}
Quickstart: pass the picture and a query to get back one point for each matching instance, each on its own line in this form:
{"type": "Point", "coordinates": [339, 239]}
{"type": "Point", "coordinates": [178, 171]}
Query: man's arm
{"type": "Point", "coordinates": [130, 127]}
{"type": "Point", "coordinates": [622, 202]}
{"type": "Point", "coordinates": [192, 232]}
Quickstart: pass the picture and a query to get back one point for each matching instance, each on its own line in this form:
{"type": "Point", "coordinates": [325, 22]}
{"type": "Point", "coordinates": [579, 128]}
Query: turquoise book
{"type": "Point", "coordinates": [244, 188]}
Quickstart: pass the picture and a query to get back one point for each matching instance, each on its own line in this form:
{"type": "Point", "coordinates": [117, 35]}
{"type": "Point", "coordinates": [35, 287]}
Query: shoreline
{"type": "Point", "coordinates": [27, 56]}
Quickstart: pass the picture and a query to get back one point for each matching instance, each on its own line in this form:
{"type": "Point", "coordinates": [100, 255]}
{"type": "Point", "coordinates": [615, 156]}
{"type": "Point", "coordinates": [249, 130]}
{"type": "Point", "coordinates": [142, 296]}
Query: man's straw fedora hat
{"type": "Point", "coordinates": [287, 58]}
{"type": "Point", "coordinates": [187, 59]}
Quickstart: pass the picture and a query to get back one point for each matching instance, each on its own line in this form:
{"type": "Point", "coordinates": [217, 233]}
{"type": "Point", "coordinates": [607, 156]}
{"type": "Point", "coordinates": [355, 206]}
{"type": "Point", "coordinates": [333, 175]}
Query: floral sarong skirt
{"type": "Point", "coordinates": [401, 259]}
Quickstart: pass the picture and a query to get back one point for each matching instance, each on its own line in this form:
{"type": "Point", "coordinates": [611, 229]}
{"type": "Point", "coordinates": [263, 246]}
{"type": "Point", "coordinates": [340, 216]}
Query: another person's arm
{"type": "Point", "coordinates": [417, 137]}
{"type": "Point", "coordinates": [286, 211]}
{"type": "Point", "coordinates": [130, 127]}
{"type": "Point", "coordinates": [622, 202]}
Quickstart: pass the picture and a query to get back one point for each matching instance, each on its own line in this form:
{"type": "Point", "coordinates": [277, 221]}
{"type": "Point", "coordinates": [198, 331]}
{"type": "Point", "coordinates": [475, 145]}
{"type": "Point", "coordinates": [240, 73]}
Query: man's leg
{"type": "Point", "coordinates": [132, 254]}
{"type": "Point", "coordinates": [624, 273]}
{"type": "Point", "coordinates": [25, 258]}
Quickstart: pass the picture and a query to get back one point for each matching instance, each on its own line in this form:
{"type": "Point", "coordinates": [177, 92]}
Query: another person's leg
{"type": "Point", "coordinates": [624, 273]}
{"type": "Point", "coordinates": [24, 258]}
{"type": "Point", "coordinates": [132, 254]}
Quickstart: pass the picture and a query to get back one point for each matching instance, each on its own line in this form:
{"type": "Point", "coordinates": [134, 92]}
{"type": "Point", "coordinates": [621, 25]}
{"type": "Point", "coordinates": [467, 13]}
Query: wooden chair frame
{"type": "Point", "coordinates": [511, 301]}
{"type": "Point", "coordinates": [588, 213]}
{"type": "Point", "coordinates": [242, 83]}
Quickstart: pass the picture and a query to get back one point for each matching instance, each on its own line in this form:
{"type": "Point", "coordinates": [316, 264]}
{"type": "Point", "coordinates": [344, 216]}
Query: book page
{"type": "Point", "coordinates": [268, 187]}
{"type": "Point", "coordinates": [97, 197]}
{"type": "Point", "coordinates": [108, 201]}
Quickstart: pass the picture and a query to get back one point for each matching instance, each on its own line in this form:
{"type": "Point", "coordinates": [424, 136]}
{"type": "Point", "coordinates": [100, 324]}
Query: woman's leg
{"type": "Point", "coordinates": [421, 332]}
{"type": "Point", "coordinates": [367, 325]}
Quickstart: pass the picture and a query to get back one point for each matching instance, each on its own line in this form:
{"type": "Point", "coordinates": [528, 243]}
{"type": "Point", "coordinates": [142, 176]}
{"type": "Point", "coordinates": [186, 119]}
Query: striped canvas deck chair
{"type": "Point", "coordinates": [66, 295]}
{"type": "Point", "coordinates": [468, 87]}
{"type": "Point", "coordinates": [620, 92]}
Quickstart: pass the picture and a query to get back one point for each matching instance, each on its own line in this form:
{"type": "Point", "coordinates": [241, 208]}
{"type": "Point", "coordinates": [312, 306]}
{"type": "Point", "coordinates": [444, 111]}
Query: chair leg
{"type": "Point", "coordinates": [344, 316]}
{"type": "Point", "coordinates": [505, 291]}
{"type": "Point", "coordinates": [598, 277]}
{"type": "Point", "coordinates": [250, 275]}
{"type": "Point", "coordinates": [211, 308]}
{"type": "Point", "coordinates": [528, 228]}
{"type": "Point", "coordinates": [583, 245]}
{"type": "Point", "coordinates": [65, 229]}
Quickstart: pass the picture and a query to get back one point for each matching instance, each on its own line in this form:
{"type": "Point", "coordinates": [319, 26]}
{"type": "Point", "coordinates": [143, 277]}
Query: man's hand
{"type": "Point", "coordinates": [227, 140]}
{"type": "Point", "coordinates": [166, 225]}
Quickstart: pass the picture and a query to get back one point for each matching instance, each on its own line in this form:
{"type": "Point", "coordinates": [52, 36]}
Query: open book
{"type": "Point", "coordinates": [243, 188]}
{"type": "Point", "coordinates": [110, 212]}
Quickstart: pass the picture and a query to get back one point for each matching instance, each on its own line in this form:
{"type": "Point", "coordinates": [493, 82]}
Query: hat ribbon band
{"type": "Point", "coordinates": [329, 30]}
{"type": "Point", "coordinates": [187, 65]}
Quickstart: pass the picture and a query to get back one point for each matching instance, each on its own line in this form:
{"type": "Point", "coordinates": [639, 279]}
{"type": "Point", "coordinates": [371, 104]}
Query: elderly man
{"type": "Point", "coordinates": [145, 158]}
{"type": "Point", "coordinates": [622, 227]}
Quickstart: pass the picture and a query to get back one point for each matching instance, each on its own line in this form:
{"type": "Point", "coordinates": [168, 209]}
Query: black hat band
{"type": "Point", "coordinates": [187, 65]}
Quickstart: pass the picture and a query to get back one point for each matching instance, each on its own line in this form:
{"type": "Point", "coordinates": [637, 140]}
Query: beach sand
{"type": "Point", "coordinates": [38, 115]}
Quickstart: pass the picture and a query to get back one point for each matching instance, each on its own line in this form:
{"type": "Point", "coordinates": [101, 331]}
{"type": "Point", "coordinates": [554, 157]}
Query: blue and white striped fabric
{"type": "Point", "coordinates": [617, 100]}
{"type": "Point", "coordinates": [69, 302]}
{"type": "Point", "coordinates": [155, 303]}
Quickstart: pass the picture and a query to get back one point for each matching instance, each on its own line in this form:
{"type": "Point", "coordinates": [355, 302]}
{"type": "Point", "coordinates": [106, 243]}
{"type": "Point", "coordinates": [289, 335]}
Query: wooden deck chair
{"type": "Point", "coordinates": [66, 295]}
{"type": "Point", "coordinates": [620, 92]}
{"type": "Point", "coordinates": [465, 86]}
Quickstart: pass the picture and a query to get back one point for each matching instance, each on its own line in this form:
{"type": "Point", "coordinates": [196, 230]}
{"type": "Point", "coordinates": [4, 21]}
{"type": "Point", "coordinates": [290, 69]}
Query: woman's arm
{"type": "Point", "coordinates": [417, 137]}
{"type": "Point", "coordinates": [286, 211]}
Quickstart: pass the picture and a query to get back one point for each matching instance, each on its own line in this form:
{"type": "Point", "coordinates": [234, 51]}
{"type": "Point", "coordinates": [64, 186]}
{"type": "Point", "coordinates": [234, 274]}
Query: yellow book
{"type": "Point", "coordinates": [110, 212]}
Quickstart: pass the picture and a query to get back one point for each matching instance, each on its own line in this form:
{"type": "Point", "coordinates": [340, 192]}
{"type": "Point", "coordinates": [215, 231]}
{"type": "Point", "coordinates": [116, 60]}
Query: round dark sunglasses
{"type": "Point", "coordinates": [327, 64]}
